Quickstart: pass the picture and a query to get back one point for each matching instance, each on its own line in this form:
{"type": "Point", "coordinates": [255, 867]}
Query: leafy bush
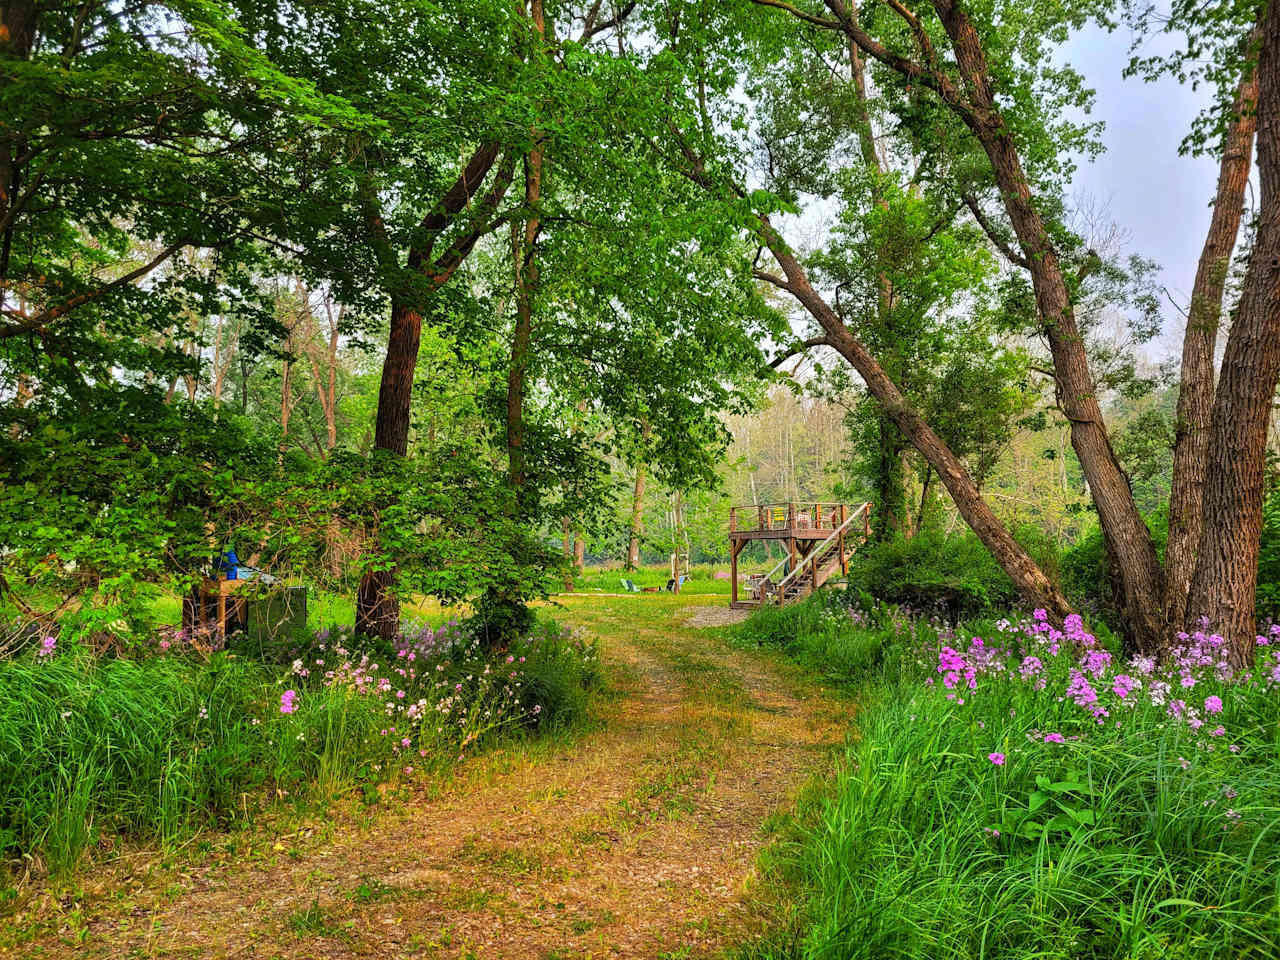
{"type": "Point", "coordinates": [1031, 796]}
{"type": "Point", "coordinates": [560, 670]}
{"type": "Point", "coordinates": [932, 571]}
{"type": "Point", "coordinates": [1268, 603]}
{"type": "Point", "coordinates": [1086, 575]}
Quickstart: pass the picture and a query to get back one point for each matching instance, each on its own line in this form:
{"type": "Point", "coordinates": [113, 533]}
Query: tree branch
{"type": "Point", "coordinates": [461, 247]}
{"type": "Point", "coordinates": [458, 196]}
{"type": "Point", "coordinates": [773, 278]}
{"type": "Point", "coordinates": [799, 14]}
{"type": "Point", "coordinates": [802, 347]}
{"type": "Point", "coordinates": [615, 21]}
{"type": "Point", "coordinates": [43, 319]}
{"type": "Point", "coordinates": [988, 228]}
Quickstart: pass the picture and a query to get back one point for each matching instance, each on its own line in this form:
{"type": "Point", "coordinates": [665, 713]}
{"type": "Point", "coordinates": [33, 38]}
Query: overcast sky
{"type": "Point", "coordinates": [1160, 198]}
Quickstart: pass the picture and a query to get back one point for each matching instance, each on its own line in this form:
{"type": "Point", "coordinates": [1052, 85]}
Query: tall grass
{"type": "Point", "coordinates": [1012, 819]}
{"type": "Point", "coordinates": [157, 748]}
{"type": "Point", "coordinates": [167, 744]}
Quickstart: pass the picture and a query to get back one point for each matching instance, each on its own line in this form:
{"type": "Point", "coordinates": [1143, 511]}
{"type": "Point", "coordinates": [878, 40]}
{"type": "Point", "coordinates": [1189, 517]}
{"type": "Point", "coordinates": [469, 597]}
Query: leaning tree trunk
{"type": "Point", "coordinates": [1225, 580]}
{"type": "Point", "coordinates": [1196, 388]}
{"type": "Point", "coordinates": [1013, 559]}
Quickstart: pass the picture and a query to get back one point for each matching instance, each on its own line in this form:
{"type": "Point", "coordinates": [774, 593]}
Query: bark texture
{"type": "Point", "coordinates": [1142, 577]}
{"type": "Point", "coordinates": [1196, 387]}
{"type": "Point", "coordinates": [1227, 567]}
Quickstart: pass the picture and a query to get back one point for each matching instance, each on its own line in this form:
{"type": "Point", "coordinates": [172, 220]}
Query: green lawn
{"type": "Point", "coordinates": [608, 579]}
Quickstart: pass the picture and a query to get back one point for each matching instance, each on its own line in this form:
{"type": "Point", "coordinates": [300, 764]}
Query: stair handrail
{"type": "Point", "coordinates": [799, 567]}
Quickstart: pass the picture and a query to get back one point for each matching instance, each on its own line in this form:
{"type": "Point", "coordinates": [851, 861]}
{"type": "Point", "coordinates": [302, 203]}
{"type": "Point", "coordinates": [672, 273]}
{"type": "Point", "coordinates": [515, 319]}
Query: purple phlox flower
{"type": "Point", "coordinates": [1054, 738]}
{"type": "Point", "coordinates": [997, 759]}
{"type": "Point", "coordinates": [1095, 662]}
{"type": "Point", "coordinates": [47, 647]}
{"type": "Point", "coordinates": [1080, 691]}
{"type": "Point", "coordinates": [1123, 684]}
{"type": "Point", "coordinates": [1213, 704]}
{"type": "Point", "coordinates": [287, 704]}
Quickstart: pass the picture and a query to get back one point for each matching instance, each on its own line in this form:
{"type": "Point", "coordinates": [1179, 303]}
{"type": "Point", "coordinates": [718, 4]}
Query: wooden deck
{"type": "Point", "coordinates": [819, 537]}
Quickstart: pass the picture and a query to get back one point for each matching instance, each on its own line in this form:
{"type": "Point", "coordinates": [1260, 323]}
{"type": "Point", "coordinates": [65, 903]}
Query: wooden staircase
{"type": "Point", "coordinates": [815, 568]}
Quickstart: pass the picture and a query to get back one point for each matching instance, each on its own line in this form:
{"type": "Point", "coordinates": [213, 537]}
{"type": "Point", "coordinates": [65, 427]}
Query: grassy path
{"type": "Point", "coordinates": [636, 839]}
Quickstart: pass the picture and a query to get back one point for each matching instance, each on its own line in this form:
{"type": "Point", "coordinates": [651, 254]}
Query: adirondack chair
{"type": "Point", "coordinates": [629, 586]}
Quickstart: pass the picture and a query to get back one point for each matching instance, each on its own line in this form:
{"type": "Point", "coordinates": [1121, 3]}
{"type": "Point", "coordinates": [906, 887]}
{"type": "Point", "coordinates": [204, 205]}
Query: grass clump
{"type": "Point", "coordinates": [840, 636]}
{"type": "Point", "coordinates": [1018, 791]}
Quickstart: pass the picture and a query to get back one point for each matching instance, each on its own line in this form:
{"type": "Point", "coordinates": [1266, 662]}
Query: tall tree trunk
{"type": "Point", "coordinates": [924, 496]}
{"type": "Point", "coordinates": [377, 606]}
{"type": "Point", "coordinates": [566, 548]}
{"type": "Point", "coordinates": [1225, 580]}
{"type": "Point", "coordinates": [1142, 577]}
{"type": "Point", "coordinates": [525, 269]}
{"type": "Point", "coordinates": [890, 489]}
{"type": "Point", "coordinates": [1015, 561]}
{"type": "Point", "coordinates": [1196, 389]}
{"type": "Point", "coordinates": [377, 612]}
{"type": "Point", "coordinates": [637, 518]}
{"type": "Point", "coordinates": [890, 514]}
{"type": "Point", "coordinates": [17, 35]}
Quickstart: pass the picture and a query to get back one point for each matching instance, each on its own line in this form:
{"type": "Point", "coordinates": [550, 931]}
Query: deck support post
{"type": "Point", "coordinates": [844, 557]}
{"type": "Point", "coordinates": [735, 548]}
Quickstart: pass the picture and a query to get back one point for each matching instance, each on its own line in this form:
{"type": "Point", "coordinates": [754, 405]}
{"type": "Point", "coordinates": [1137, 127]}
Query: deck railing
{"type": "Point", "coordinates": [792, 515]}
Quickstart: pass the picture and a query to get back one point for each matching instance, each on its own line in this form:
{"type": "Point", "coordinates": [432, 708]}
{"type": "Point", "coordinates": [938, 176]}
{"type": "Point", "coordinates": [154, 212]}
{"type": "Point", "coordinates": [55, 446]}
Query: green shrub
{"type": "Point", "coordinates": [955, 575]}
{"type": "Point", "coordinates": [841, 636]}
{"type": "Point", "coordinates": [1087, 577]}
{"type": "Point", "coordinates": [560, 669]}
{"type": "Point", "coordinates": [1269, 559]}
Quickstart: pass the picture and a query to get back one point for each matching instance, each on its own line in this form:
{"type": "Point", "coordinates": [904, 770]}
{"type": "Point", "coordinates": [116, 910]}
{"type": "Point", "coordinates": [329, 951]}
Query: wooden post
{"type": "Point", "coordinates": [735, 547]}
{"type": "Point", "coordinates": [733, 519]}
{"type": "Point", "coordinates": [867, 523]}
{"type": "Point", "coordinates": [844, 557]}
